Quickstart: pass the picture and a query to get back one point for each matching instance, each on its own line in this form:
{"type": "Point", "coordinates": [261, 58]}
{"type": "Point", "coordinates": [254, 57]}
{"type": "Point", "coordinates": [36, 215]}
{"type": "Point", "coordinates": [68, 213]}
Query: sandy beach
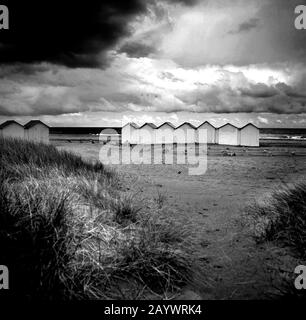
{"type": "Point", "coordinates": [216, 202]}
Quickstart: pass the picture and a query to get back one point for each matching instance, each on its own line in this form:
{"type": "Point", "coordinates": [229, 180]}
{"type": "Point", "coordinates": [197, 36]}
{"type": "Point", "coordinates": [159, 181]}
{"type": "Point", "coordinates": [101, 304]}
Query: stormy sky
{"type": "Point", "coordinates": [108, 61]}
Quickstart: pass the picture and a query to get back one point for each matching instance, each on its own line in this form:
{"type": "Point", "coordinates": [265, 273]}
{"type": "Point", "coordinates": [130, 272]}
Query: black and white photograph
{"type": "Point", "coordinates": [153, 150]}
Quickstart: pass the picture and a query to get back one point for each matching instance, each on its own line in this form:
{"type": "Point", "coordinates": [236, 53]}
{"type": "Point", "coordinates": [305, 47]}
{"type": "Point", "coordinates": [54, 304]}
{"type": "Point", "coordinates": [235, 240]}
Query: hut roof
{"type": "Point", "coordinates": [132, 124]}
{"type": "Point", "coordinates": [228, 124]}
{"type": "Point", "coordinates": [207, 123]}
{"type": "Point", "coordinates": [9, 122]}
{"type": "Point", "coordinates": [168, 123]}
{"type": "Point", "coordinates": [249, 124]}
{"type": "Point", "coordinates": [150, 124]}
{"type": "Point", "coordinates": [189, 124]}
{"type": "Point", "coordinates": [33, 123]}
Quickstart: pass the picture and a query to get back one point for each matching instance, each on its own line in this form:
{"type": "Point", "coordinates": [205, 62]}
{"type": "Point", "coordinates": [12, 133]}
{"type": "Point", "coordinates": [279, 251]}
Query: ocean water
{"type": "Point", "coordinates": [283, 133]}
{"type": "Point", "coordinates": [80, 134]}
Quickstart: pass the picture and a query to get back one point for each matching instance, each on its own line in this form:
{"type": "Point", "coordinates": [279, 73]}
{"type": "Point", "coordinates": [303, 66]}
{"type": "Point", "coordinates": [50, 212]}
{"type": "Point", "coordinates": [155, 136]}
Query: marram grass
{"type": "Point", "coordinates": [67, 231]}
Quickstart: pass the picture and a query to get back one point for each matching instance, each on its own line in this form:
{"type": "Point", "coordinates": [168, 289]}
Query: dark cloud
{"type": "Point", "coordinates": [259, 90]}
{"type": "Point", "coordinates": [75, 34]}
{"type": "Point", "coordinates": [70, 34]}
{"type": "Point", "coordinates": [136, 50]}
{"type": "Point", "coordinates": [286, 43]}
{"type": "Point", "coordinates": [289, 91]}
{"type": "Point", "coordinates": [247, 26]}
{"type": "Point", "coordinates": [45, 89]}
{"type": "Point", "coordinates": [249, 98]}
{"type": "Point", "coordinates": [185, 2]}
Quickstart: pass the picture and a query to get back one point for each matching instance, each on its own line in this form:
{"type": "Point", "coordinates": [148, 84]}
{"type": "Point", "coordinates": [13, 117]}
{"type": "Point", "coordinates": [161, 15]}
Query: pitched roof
{"type": "Point", "coordinates": [132, 124]}
{"type": "Point", "coordinates": [228, 124]}
{"type": "Point", "coordinates": [152, 125]}
{"type": "Point", "coordinates": [168, 123]}
{"type": "Point", "coordinates": [207, 123]}
{"type": "Point", "coordinates": [9, 122]}
{"type": "Point", "coordinates": [249, 124]}
{"type": "Point", "coordinates": [189, 124]}
{"type": "Point", "coordinates": [33, 123]}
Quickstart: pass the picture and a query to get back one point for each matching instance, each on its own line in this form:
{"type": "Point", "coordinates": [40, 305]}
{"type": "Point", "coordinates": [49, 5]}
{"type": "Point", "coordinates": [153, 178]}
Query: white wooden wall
{"type": "Point", "coordinates": [37, 133]}
{"type": "Point", "coordinates": [225, 135]}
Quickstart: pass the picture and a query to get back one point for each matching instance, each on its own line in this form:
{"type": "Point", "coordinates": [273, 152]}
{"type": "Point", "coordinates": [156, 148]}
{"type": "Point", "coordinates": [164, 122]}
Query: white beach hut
{"type": "Point", "coordinates": [249, 135]}
{"type": "Point", "coordinates": [147, 133]}
{"type": "Point", "coordinates": [185, 133]}
{"type": "Point", "coordinates": [130, 133]}
{"type": "Point", "coordinates": [164, 133]}
{"type": "Point", "coordinates": [11, 129]}
{"type": "Point", "coordinates": [210, 132]}
{"type": "Point", "coordinates": [36, 130]}
{"type": "Point", "coordinates": [228, 134]}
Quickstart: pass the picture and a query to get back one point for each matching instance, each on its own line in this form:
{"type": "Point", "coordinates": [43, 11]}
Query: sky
{"type": "Point", "coordinates": [109, 62]}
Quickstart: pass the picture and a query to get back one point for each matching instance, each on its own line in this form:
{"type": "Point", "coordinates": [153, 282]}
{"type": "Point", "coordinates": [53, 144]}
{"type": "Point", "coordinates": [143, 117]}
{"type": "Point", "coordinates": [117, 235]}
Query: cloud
{"type": "Point", "coordinates": [263, 120]}
{"type": "Point", "coordinates": [290, 91]}
{"type": "Point", "coordinates": [154, 118]}
{"type": "Point", "coordinates": [163, 56]}
{"type": "Point", "coordinates": [61, 32]}
{"type": "Point", "coordinates": [234, 32]}
{"type": "Point", "coordinates": [259, 90]}
{"type": "Point", "coordinates": [73, 34]}
{"type": "Point", "coordinates": [137, 50]}
{"type": "Point", "coordinates": [247, 26]}
{"type": "Point", "coordinates": [191, 33]}
{"type": "Point", "coordinates": [152, 85]}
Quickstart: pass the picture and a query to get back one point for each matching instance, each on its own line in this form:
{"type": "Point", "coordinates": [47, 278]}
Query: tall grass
{"type": "Point", "coordinates": [67, 231]}
{"type": "Point", "coordinates": [282, 218]}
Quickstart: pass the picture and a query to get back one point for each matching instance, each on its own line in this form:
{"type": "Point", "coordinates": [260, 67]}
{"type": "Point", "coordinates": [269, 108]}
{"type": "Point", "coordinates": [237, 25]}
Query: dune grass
{"type": "Point", "coordinates": [67, 231]}
{"type": "Point", "coordinates": [280, 221]}
{"type": "Point", "coordinates": [282, 218]}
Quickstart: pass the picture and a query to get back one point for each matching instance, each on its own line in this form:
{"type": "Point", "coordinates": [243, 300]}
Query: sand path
{"type": "Point", "coordinates": [216, 201]}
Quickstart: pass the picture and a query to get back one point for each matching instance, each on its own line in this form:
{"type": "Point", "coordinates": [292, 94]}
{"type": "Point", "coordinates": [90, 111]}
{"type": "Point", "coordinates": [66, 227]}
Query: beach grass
{"type": "Point", "coordinates": [279, 221]}
{"type": "Point", "coordinates": [281, 218]}
{"type": "Point", "coordinates": [69, 231]}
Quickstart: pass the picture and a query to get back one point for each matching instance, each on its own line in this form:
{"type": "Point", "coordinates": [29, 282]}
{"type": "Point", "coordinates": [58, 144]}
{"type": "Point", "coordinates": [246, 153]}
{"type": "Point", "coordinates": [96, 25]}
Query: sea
{"type": "Point", "coordinates": [84, 134]}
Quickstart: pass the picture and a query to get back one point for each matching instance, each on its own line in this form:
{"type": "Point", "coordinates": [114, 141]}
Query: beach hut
{"type": "Point", "coordinates": [147, 133]}
{"type": "Point", "coordinates": [130, 133]}
{"type": "Point", "coordinates": [36, 130]}
{"type": "Point", "coordinates": [185, 133]}
{"type": "Point", "coordinates": [228, 134]}
{"type": "Point", "coordinates": [11, 129]}
{"type": "Point", "coordinates": [249, 135]}
{"type": "Point", "coordinates": [164, 133]}
{"type": "Point", "coordinates": [210, 132]}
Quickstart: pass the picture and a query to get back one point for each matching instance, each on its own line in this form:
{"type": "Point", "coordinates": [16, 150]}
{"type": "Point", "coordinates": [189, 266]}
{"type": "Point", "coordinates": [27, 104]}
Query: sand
{"type": "Point", "coordinates": [237, 268]}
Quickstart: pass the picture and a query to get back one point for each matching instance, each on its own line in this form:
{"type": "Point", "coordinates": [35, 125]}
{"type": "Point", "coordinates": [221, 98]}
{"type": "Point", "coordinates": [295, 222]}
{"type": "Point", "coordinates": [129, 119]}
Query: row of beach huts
{"type": "Point", "coordinates": [148, 133]}
{"type": "Point", "coordinates": [228, 134]}
{"type": "Point", "coordinates": [34, 130]}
